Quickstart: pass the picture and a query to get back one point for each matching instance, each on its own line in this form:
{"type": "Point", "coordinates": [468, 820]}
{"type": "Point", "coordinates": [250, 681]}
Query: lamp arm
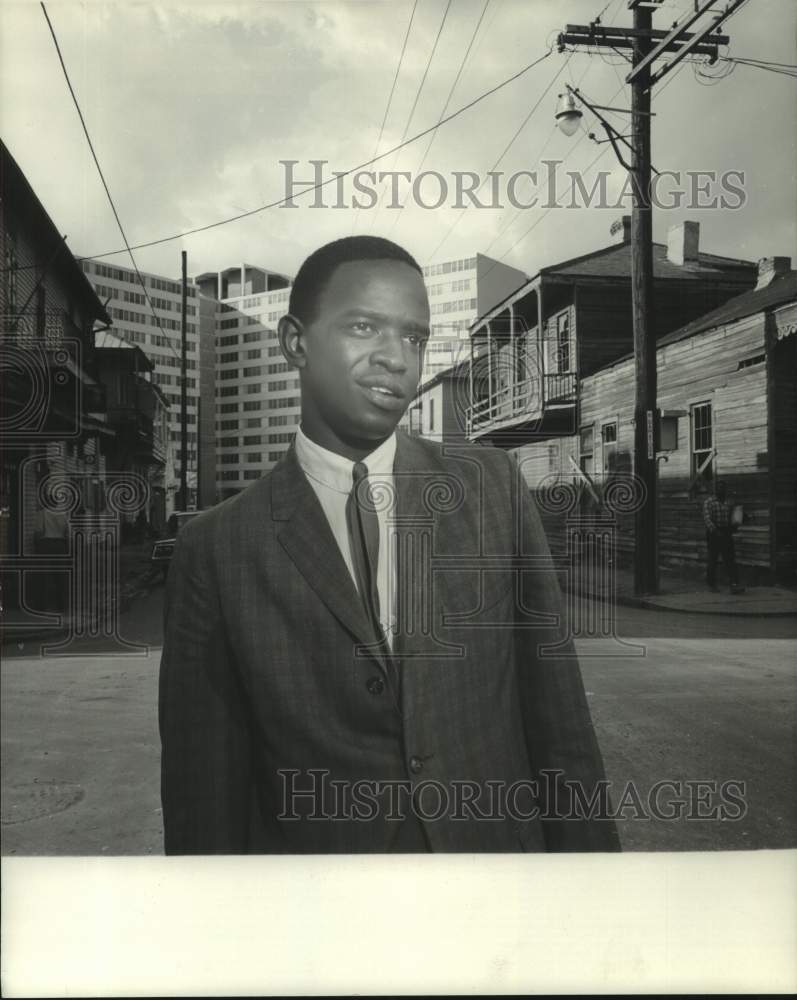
{"type": "Point", "coordinates": [610, 132]}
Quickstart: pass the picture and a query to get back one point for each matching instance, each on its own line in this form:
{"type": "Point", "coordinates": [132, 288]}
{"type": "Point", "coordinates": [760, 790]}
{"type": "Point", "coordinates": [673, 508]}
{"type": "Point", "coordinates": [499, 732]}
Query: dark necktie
{"type": "Point", "coordinates": [363, 527]}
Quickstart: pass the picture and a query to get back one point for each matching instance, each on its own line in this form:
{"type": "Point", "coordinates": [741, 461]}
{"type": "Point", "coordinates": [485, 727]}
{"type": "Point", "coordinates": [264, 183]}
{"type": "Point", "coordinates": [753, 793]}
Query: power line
{"type": "Point", "coordinates": [419, 91]}
{"type": "Point", "coordinates": [102, 176]}
{"type": "Point", "coordinates": [447, 102]}
{"type": "Point", "coordinates": [544, 146]}
{"type": "Point", "coordinates": [501, 156]}
{"type": "Point", "coordinates": [392, 92]}
{"type": "Point", "coordinates": [338, 174]}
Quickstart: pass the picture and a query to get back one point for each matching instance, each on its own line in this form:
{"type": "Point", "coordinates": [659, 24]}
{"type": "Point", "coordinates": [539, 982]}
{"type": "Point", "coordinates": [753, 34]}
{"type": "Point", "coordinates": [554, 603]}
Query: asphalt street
{"type": "Point", "coordinates": [695, 715]}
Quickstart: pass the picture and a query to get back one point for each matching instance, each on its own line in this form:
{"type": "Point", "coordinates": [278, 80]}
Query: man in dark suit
{"type": "Point", "coordinates": [364, 650]}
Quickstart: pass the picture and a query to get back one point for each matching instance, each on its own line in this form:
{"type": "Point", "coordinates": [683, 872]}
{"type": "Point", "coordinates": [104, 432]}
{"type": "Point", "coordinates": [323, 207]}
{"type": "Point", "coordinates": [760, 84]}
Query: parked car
{"type": "Point", "coordinates": [163, 550]}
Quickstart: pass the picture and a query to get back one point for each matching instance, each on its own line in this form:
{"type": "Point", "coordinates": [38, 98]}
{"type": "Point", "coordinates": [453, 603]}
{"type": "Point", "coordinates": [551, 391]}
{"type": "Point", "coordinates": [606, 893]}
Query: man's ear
{"type": "Point", "coordinates": [291, 334]}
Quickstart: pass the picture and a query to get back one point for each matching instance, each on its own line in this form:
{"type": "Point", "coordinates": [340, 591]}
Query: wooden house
{"type": "Point", "coordinates": [726, 397]}
{"type": "Point", "coordinates": [530, 353]}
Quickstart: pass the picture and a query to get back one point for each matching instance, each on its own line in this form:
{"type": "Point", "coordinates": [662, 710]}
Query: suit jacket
{"type": "Point", "coordinates": [286, 730]}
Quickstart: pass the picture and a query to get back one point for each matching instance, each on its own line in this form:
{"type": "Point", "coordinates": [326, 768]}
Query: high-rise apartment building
{"type": "Point", "coordinates": [257, 395]}
{"type": "Point", "coordinates": [157, 331]}
{"type": "Point", "coordinates": [460, 291]}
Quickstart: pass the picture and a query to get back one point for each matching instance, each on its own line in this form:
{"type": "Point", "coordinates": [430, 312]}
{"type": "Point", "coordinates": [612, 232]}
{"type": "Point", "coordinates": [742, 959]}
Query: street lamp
{"type": "Point", "coordinates": [568, 114]}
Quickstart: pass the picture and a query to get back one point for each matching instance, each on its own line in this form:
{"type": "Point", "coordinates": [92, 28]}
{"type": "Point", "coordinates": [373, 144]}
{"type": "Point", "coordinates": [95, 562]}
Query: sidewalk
{"type": "Point", "coordinates": [136, 578]}
{"type": "Point", "coordinates": [691, 596]}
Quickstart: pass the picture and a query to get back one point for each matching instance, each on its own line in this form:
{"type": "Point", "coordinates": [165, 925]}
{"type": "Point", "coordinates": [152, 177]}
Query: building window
{"type": "Point", "coordinates": [586, 446]}
{"type": "Point", "coordinates": [431, 414]}
{"type": "Point", "coordinates": [253, 354]}
{"type": "Point", "coordinates": [228, 442]}
{"type": "Point", "coordinates": [253, 439]}
{"type": "Point", "coordinates": [563, 343]}
{"type": "Point", "coordinates": [253, 388]}
{"type": "Point", "coordinates": [702, 439]}
{"type": "Point", "coordinates": [254, 421]}
{"type": "Point", "coordinates": [275, 456]}
{"type": "Point", "coordinates": [251, 473]}
{"type": "Point", "coordinates": [609, 447]}
{"type": "Point", "coordinates": [252, 371]}
{"type": "Point", "coordinates": [228, 425]}
{"type": "Point", "coordinates": [228, 408]}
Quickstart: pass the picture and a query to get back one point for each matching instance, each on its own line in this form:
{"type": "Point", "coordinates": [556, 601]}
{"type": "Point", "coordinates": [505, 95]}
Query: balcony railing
{"type": "Point", "coordinates": [521, 402]}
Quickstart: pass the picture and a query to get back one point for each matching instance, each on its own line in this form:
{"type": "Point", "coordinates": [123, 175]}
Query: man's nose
{"type": "Point", "coordinates": [390, 354]}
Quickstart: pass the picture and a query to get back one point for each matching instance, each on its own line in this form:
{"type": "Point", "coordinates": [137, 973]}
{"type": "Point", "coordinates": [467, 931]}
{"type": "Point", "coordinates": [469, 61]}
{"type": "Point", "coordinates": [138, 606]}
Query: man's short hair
{"type": "Point", "coordinates": [316, 271]}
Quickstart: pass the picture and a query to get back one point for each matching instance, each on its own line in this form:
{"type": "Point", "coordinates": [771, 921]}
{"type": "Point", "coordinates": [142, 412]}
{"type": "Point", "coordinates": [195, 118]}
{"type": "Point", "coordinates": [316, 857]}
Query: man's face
{"type": "Point", "coordinates": [363, 354]}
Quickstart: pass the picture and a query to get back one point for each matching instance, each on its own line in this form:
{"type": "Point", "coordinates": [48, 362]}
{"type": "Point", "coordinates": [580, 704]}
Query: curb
{"type": "Point", "coordinates": [649, 605]}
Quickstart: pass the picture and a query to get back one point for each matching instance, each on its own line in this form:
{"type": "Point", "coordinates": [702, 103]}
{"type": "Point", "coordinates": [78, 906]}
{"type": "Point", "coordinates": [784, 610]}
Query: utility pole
{"type": "Point", "coordinates": [645, 414]}
{"type": "Point", "coordinates": [647, 45]}
{"type": "Point", "coordinates": [184, 386]}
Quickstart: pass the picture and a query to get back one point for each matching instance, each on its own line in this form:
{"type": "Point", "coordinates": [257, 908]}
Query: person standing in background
{"type": "Point", "coordinates": [719, 538]}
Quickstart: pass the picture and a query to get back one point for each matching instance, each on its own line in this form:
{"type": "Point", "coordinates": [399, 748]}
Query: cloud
{"type": "Point", "coordinates": [191, 108]}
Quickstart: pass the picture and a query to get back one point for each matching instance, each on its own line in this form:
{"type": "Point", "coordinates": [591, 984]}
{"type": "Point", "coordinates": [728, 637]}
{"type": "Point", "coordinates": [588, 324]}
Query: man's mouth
{"type": "Point", "coordinates": [383, 395]}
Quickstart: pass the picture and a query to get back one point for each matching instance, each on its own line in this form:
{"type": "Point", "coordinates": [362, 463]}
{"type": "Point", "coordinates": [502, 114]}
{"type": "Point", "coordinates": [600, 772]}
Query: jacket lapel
{"type": "Point", "coordinates": [308, 539]}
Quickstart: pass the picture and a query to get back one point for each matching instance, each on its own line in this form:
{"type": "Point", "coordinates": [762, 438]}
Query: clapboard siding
{"type": "Point", "coordinates": [784, 414]}
{"type": "Point", "coordinates": [726, 367]}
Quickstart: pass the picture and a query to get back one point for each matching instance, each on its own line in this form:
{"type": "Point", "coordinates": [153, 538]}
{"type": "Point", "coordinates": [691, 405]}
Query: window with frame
{"type": "Point", "coordinates": [609, 446]}
{"type": "Point", "coordinates": [563, 343]}
{"type": "Point", "coordinates": [586, 449]}
{"type": "Point", "coordinates": [702, 439]}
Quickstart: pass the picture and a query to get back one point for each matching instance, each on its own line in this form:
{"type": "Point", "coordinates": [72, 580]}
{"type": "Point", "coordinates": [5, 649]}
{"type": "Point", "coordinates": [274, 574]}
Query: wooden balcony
{"type": "Point", "coordinates": [537, 404]}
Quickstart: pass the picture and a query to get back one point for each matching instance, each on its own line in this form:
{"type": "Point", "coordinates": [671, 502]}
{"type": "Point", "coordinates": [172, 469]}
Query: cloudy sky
{"type": "Point", "coordinates": [192, 108]}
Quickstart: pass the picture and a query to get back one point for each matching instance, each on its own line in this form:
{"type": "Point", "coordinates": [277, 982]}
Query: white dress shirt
{"type": "Point", "coordinates": [330, 475]}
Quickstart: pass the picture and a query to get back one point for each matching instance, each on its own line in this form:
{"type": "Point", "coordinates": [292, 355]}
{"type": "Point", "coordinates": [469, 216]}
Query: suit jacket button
{"type": "Point", "coordinates": [416, 765]}
{"type": "Point", "coordinates": [375, 685]}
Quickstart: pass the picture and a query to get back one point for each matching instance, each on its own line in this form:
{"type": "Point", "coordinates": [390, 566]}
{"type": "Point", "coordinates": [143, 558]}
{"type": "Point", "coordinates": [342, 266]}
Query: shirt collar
{"type": "Point", "coordinates": [335, 471]}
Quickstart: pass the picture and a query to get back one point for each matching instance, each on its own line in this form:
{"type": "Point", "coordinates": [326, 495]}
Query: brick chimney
{"type": "Point", "coordinates": [621, 229]}
{"type": "Point", "coordinates": [770, 268]}
{"type": "Point", "coordinates": [683, 243]}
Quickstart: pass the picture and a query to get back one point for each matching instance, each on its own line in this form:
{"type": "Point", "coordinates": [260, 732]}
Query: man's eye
{"type": "Point", "coordinates": [363, 326]}
{"type": "Point", "coordinates": [416, 340]}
